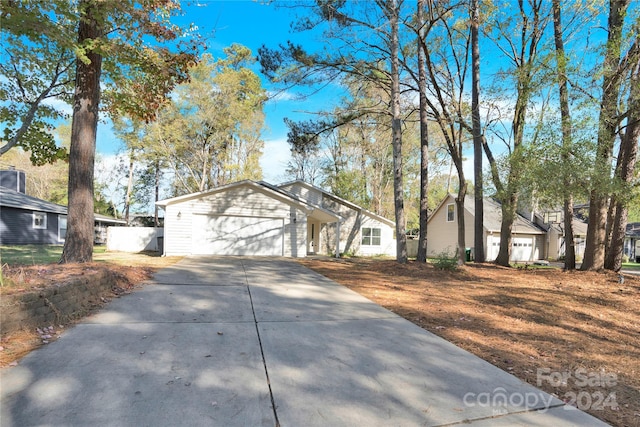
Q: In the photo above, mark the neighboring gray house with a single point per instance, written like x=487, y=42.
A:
x=27, y=220
x=259, y=219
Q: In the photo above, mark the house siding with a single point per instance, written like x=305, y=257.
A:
x=311, y=195
x=387, y=242
x=442, y=235
x=240, y=201
x=16, y=228
x=349, y=228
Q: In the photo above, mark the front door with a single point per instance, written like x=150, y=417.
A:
x=313, y=240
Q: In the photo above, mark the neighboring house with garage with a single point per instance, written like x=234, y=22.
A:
x=528, y=239
x=535, y=236
x=552, y=221
x=252, y=218
x=27, y=220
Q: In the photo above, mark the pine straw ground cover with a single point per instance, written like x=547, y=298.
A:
x=536, y=324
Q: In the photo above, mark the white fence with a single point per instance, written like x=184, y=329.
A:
x=135, y=239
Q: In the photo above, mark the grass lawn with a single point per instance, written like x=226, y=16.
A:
x=30, y=255
x=631, y=266
x=32, y=266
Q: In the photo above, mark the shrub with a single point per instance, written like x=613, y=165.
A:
x=445, y=261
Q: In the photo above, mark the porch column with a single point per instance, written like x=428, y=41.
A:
x=338, y=239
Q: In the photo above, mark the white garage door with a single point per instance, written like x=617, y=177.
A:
x=237, y=235
x=522, y=249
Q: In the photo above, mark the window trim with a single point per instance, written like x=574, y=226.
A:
x=370, y=235
x=451, y=212
x=60, y=218
x=34, y=216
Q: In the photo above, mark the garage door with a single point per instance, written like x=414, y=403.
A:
x=522, y=248
x=237, y=235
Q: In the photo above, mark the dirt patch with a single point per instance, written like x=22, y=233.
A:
x=573, y=334
x=24, y=279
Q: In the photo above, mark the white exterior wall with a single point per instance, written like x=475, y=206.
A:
x=295, y=235
x=133, y=239
x=387, y=242
x=442, y=236
x=240, y=201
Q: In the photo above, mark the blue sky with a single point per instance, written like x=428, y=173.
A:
x=251, y=24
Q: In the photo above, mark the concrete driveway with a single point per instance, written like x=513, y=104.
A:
x=262, y=342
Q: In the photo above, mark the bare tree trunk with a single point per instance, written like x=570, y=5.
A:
x=625, y=173
x=127, y=198
x=569, y=243
x=478, y=191
x=78, y=246
x=156, y=221
x=462, y=192
x=396, y=130
x=594, y=254
x=424, y=138
x=508, y=210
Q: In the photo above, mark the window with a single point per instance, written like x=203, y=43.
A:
x=62, y=227
x=40, y=220
x=451, y=212
x=371, y=236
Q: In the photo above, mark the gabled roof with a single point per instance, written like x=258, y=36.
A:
x=263, y=187
x=493, y=216
x=341, y=200
x=633, y=230
x=108, y=219
x=14, y=199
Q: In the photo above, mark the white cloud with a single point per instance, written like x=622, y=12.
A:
x=59, y=105
x=274, y=160
x=276, y=96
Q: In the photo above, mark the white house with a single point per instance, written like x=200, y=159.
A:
x=259, y=219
